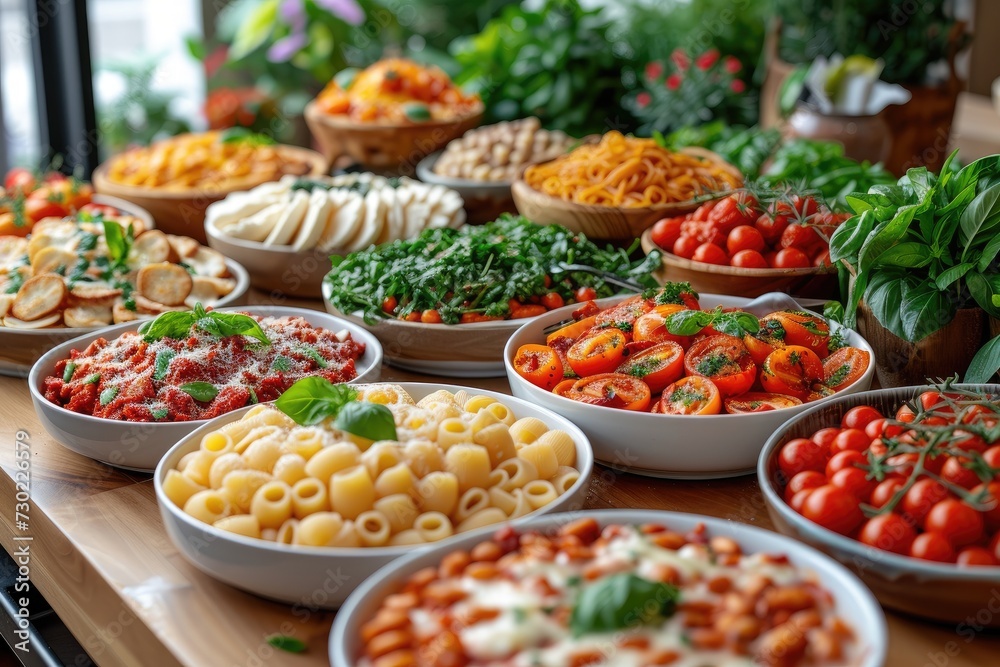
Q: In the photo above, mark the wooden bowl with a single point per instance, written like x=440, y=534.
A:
x=938, y=591
x=484, y=200
x=379, y=146
x=608, y=223
x=816, y=282
x=183, y=211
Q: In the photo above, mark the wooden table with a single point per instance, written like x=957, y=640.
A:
x=101, y=558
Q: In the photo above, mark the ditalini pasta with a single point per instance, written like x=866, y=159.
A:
x=623, y=595
x=460, y=462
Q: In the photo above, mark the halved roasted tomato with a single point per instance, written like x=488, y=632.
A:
x=724, y=360
x=658, y=366
x=693, y=395
x=612, y=390
x=770, y=337
x=560, y=346
x=805, y=329
x=845, y=367
x=600, y=351
x=563, y=388
x=572, y=331
x=759, y=401
x=792, y=370
x=624, y=315
x=539, y=365
x=652, y=326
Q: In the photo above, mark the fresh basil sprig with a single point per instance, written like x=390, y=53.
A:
x=119, y=242
x=204, y=392
x=162, y=363
x=286, y=643
x=68, y=371
x=690, y=322
x=622, y=601
x=314, y=399
x=173, y=324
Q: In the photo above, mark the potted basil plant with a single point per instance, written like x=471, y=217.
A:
x=922, y=261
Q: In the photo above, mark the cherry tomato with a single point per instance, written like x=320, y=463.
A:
x=430, y=316
x=802, y=328
x=624, y=315
x=876, y=428
x=585, y=294
x=845, y=460
x=771, y=227
x=833, y=508
x=657, y=366
x=710, y=253
x=850, y=438
x=791, y=258
x=539, y=365
x=745, y=237
x=807, y=479
x=855, y=481
x=666, y=232
x=822, y=259
x=692, y=395
x=37, y=208
x=748, y=259
x=724, y=360
x=759, y=401
x=572, y=332
x=920, y=498
x=934, y=547
x=845, y=367
x=770, y=337
x=552, y=300
x=825, y=437
x=100, y=209
x=955, y=520
x=886, y=490
x=733, y=211
x=976, y=556
x=389, y=304
x=992, y=456
x=612, y=390
x=20, y=179
x=652, y=326
x=955, y=471
x=599, y=351
x=414, y=316
x=860, y=417
x=990, y=516
x=799, y=455
x=802, y=237
x=888, y=532
x=685, y=246
x=792, y=370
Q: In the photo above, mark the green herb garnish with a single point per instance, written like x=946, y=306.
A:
x=108, y=395
x=159, y=413
x=204, y=392
x=286, y=643
x=622, y=601
x=179, y=325
x=92, y=379
x=68, y=371
x=162, y=364
x=313, y=354
x=281, y=363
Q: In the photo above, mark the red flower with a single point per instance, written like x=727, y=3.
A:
x=733, y=65
x=643, y=99
x=737, y=85
x=673, y=82
x=680, y=59
x=707, y=59
x=654, y=70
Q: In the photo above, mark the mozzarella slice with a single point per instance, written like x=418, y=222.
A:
x=315, y=223
x=257, y=226
x=394, y=223
x=291, y=219
x=374, y=220
x=345, y=223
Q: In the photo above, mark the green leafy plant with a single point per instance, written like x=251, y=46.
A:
x=140, y=114
x=920, y=249
x=691, y=322
x=313, y=399
x=621, y=601
x=553, y=62
x=180, y=324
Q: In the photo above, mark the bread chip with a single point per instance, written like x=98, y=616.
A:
x=165, y=283
x=184, y=246
x=53, y=260
x=120, y=313
x=150, y=307
x=290, y=220
x=207, y=290
x=152, y=247
x=6, y=301
x=16, y=323
x=93, y=294
x=12, y=249
x=87, y=316
x=39, y=297
x=315, y=223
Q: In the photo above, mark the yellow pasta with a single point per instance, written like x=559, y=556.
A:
x=408, y=537
x=333, y=459
x=352, y=491
x=179, y=487
x=477, y=403
x=217, y=442
x=519, y=472
x=453, y=431
x=461, y=397
x=320, y=529
x=438, y=492
x=439, y=396
x=262, y=454
x=397, y=479
x=540, y=493
x=186, y=460
x=472, y=501
x=373, y=528
x=241, y=524
x=541, y=455
x=286, y=534
x=527, y=429
x=208, y=506
x=565, y=478
x=305, y=441
x=381, y=456
x=256, y=433
x=521, y=504
x=483, y=517
x=269, y=534
x=433, y=526
x=290, y=468
x=562, y=444
x=222, y=466
x=497, y=440
x=423, y=457
x=309, y=496
x=272, y=504
x=502, y=499
x=499, y=479
x=501, y=412
x=240, y=486
x=481, y=420
x=470, y=464
x=399, y=510
x=198, y=467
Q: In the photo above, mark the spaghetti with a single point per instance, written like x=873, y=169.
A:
x=629, y=172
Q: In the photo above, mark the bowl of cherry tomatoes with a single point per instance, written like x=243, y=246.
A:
x=670, y=384
x=903, y=486
x=738, y=245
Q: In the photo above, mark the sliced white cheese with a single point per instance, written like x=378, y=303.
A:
x=290, y=220
x=315, y=223
x=373, y=222
x=345, y=223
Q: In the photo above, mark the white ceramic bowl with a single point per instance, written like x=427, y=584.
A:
x=322, y=576
x=484, y=200
x=672, y=446
x=140, y=445
x=937, y=591
x=20, y=348
x=453, y=350
x=854, y=602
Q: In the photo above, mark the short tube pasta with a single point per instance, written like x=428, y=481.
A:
x=472, y=501
x=433, y=526
x=208, y=506
x=241, y=524
x=180, y=487
x=272, y=504
x=309, y=496
x=527, y=429
x=397, y=479
x=453, y=431
x=470, y=464
x=399, y=510
x=333, y=459
x=483, y=517
x=540, y=493
x=519, y=472
x=541, y=455
x=562, y=445
x=352, y=491
x=373, y=528
x=222, y=466
x=497, y=441
x=438, y=492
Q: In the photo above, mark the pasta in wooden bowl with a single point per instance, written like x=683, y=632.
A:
x=275, y=499
x=618, y=186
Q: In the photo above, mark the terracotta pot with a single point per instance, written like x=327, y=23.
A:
x=863, y=137
x=899, y=363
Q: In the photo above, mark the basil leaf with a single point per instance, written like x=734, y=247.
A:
x=847, y=238
x=204, y=392
x=949, y=217
x=345, y=77
x=688, y=322
x=885, y=236
x=312, y=399
x=367, y=420
x=119, y=242
x=159, y=413
x=989, y=253
x=108, y=395
x=736, y=324
x=983, y=288
x=68, y=371
x=923, y=310
x=253, y=396
x=920, y=181
x=162, y=363
x=224, y=325
x=985, y=364
x=909, y=254
x=93, y=379
x=281, y=363
x=981, y=216
x=947, y=277
x=883, y=297
x=834, y=311
x=621, y=601
x=243, y=135
x=286, y=643
x=172, y=324
x=313, y=354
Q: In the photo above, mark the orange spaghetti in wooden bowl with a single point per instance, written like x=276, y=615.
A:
x=628, y=172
